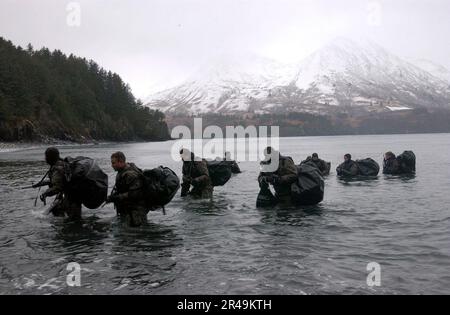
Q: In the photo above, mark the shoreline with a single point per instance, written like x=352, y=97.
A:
x=6, y=147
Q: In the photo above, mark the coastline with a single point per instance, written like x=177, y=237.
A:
x=6, y=147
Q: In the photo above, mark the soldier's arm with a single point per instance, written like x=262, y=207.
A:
x=351, y=172
x=202, y=168
x=57, y=183
x=135, y=186
x=396, y=167
x=393, y=167
x=291, y=173
x=387, y=169
x=354, y=170
x=186, y=175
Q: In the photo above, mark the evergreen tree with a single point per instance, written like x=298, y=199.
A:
x=68, y=98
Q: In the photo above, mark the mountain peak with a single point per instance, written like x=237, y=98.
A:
x=344, y=73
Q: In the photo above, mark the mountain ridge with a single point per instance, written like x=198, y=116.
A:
x=343, y=74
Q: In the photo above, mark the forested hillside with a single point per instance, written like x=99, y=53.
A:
x=47, y=95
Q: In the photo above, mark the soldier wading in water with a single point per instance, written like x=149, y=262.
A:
x=128, y=193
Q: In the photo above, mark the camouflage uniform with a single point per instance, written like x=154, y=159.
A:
x=391, y=166
x=129, y=191
x=196, y=173
x=282, y=179
x=349, y=168
x=67, y=204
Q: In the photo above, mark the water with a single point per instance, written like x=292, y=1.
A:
x=227, y=246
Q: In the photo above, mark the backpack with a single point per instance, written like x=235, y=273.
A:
x=219, y=172
x=235, y=169
x=310, y=186
x=160, y=186
x=310, y=162
x=86, y=181
x=368, y=167
x=407, y=162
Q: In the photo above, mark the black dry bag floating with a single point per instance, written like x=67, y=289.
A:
x=219, y=172
x=368, y=167
x=407, y=162
x=87, y=182
x=325, y=172
x=310, y=163
x=161, y=185
x=235, y=169
x=310, y=186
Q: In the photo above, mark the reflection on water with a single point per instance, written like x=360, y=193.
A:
x=228, y=246
x=363, y=180
x=292, y=216
x=218, y=205
x=402, y=177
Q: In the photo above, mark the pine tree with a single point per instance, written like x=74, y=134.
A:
x=67, y=97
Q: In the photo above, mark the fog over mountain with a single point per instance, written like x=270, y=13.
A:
x=344, y=73
x=158, y=44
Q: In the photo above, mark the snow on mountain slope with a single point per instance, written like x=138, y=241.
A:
x=225, y=85
x=435, y=69
x=348, y=73
x=344, y=74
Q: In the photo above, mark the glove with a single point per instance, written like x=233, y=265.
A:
x=275, y=180
x=269, y=179
x=263, y=181
x=112, y=199
x=43, y=198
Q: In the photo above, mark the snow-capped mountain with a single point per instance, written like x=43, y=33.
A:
x=343, y=74
x=227, y=84
x=435, y=69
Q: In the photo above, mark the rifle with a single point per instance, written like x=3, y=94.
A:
x=38, y=185
x=41, y=183
x=113, y=192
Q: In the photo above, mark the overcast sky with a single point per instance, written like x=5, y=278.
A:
x=158, y=43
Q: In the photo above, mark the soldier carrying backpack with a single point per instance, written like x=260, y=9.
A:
x=405, y=163
x=74, y=182
x=195, y=174
x=128, y=194
x=65, y=202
